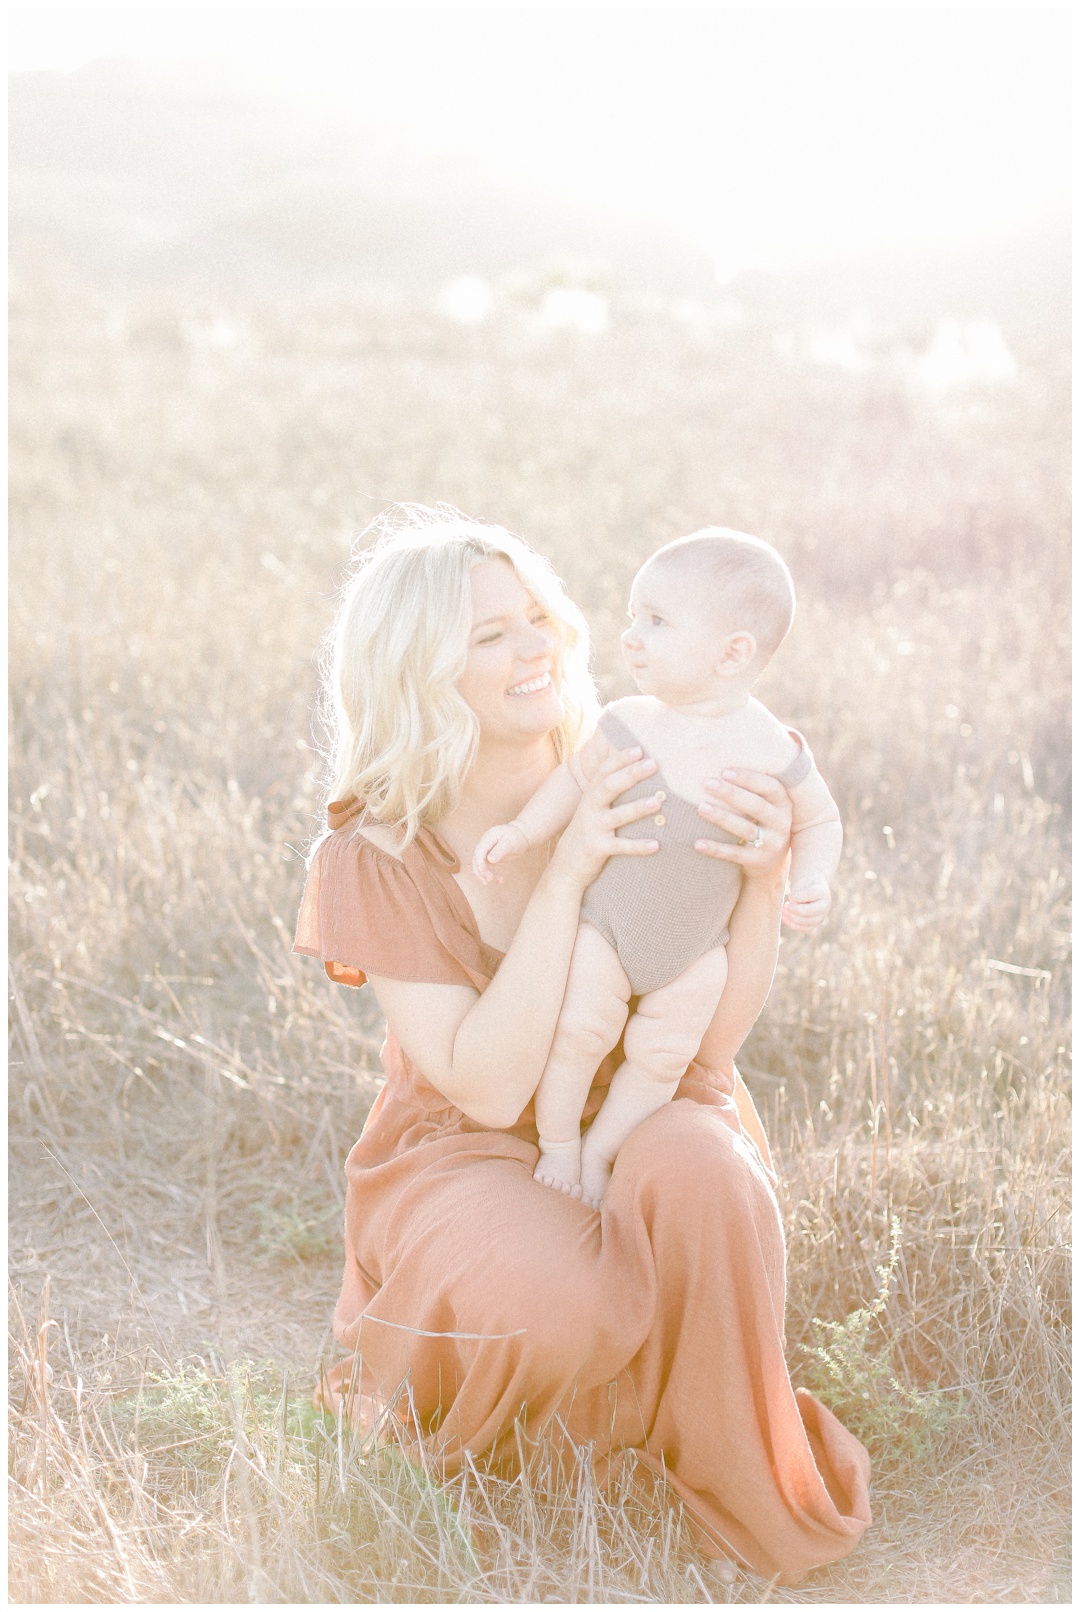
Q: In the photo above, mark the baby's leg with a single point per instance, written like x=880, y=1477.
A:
x=590, y=1023
x=661, y=1039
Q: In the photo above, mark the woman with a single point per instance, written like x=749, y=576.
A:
x=472, y=1293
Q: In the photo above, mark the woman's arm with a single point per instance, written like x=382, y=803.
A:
x=752, y=951
x=754, y=807
x=487, y=1053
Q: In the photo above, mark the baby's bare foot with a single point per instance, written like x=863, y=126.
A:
x=595, y=1175
x=559, y=1166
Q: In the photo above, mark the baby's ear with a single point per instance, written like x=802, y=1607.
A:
x=737, y=652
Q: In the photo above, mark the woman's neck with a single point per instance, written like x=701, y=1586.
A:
x=500, y=781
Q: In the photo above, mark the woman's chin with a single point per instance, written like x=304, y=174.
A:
x=536, y=714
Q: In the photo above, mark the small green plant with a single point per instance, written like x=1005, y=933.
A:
x=296, y=1228
x=193, y=1412
x=897, y=1423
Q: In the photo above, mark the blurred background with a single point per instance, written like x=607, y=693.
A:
x=809, y=165
x=603, y=275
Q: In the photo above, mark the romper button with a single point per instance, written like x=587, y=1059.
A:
x=661, y=794
x=660, y=820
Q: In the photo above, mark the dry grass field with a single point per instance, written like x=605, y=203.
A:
x=186, y=483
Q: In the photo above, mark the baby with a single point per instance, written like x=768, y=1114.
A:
x=707, y=612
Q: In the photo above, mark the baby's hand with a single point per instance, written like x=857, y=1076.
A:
x=499, y=844
x=808, y=904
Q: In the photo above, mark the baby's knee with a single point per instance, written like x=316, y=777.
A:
x=662, y=1046
x=589, y=1028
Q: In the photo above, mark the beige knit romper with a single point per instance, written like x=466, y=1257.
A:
x=661, y=912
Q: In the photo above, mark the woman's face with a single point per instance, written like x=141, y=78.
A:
x=512, y=668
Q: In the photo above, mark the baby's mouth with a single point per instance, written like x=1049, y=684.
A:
x=534, y=685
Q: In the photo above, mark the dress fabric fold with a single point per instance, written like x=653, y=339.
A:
x=478, y=1298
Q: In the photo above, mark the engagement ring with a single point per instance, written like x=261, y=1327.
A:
x=759, y=838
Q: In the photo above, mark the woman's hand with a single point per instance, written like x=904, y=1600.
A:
x=486, y=1053
x=590, y=836
x=756, y=808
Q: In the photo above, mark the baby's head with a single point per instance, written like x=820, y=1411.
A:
x=716, y=604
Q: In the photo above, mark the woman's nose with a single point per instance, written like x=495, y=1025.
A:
x=535, y=643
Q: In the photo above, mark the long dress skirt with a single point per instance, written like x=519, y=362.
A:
x=475, y=1299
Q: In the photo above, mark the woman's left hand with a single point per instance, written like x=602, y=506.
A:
x=756, y=808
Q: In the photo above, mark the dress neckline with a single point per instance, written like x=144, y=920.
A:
x=340, y=812
x=435, y=851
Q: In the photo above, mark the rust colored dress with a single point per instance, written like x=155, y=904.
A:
x=654, y=1325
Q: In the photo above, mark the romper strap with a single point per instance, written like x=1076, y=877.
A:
x=798, y=770
x=615, y=729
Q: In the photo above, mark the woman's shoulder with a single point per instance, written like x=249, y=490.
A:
x=352, y=833
x=349, y=819
x=359, y=859
x=382, y=838
x=372, y=906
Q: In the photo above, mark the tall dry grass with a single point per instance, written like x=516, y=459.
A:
x=186, y=482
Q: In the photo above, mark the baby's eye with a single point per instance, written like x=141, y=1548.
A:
x=657, y=621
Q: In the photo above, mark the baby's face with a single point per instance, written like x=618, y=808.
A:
x=672, y=644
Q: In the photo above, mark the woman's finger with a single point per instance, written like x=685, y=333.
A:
x=632, y=811
x=743, y=828
x=625, y=775
x=620, y=846
x=720, y=851
x=766, y=856
x=620, y=758
x=772, y=810
x=750, y=783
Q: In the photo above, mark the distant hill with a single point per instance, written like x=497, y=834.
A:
x=132, y=177
x=138, y=177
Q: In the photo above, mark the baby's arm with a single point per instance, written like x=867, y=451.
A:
x=544, y=815
x=817, y=838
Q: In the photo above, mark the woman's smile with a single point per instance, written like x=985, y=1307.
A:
x=535, y=685
x=511, y=678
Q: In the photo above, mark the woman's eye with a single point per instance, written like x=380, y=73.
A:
x=492, y=638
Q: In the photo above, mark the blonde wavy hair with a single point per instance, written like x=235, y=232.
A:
x=403, y=738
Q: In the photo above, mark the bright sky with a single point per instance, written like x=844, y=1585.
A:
x=768, y=135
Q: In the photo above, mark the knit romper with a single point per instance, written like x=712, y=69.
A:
x=661, y=912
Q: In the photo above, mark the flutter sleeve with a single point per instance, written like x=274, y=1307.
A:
x=364, y=912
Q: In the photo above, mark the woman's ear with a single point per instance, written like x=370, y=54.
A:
x=737, y=653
